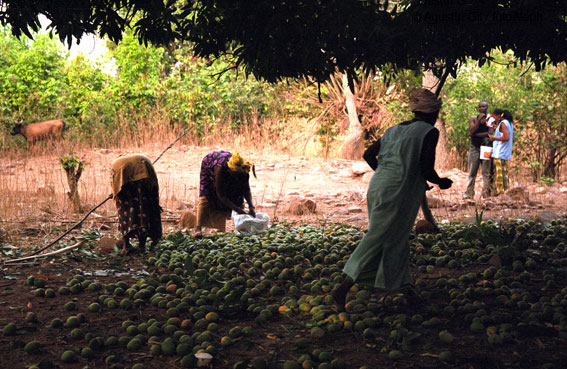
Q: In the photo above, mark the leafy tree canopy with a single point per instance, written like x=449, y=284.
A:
x=275, y=39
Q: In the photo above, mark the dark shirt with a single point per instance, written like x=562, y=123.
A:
x=477, y=141
x=234, y=188
x=426, y=158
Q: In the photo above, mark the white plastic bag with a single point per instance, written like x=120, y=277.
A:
x=247, y=224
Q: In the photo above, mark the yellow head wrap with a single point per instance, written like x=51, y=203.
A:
x=238, y=164
x=424, y=101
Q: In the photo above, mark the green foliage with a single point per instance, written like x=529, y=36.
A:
x=478, y=217
x=86, y=84
x=274, y=40
x=486, y=233
x=38, y=82
x=314, y=38
x=473, y=84
x=327, y=132
x=71, y=161
x=152, y=21
x=544, y=123
x=202, y=94
x=139, y=74
x=537, y=101
x=546, y=181
x=379, y=105
x=31, y=78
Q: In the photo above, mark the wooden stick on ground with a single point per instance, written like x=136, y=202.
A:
x=60, y=251
x=73, y=227
x=104, y=201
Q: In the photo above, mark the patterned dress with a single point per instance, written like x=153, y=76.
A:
x=501, y=155
x=136, y=194
x=139, y=211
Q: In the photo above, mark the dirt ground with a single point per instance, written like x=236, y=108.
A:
x=34, y=211
x=34, y=207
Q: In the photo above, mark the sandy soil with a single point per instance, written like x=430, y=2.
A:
x=34, y=204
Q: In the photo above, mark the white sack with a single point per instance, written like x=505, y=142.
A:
x=247, y=224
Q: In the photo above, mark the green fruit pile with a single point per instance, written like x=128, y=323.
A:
x=488, y=284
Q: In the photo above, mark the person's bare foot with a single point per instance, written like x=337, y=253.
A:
x=126, y=251
x=411, y=296
x=339, y=294
x=340, y=299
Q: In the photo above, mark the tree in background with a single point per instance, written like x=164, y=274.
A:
x=210, y=94
x=377, y=106
x=31, y=78
x=542, y=113
x=140, y=71
x=86, y=103
x=151, y=85
x=313, y=38
x=537, y=101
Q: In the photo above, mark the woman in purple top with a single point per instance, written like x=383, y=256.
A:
x=223, y=188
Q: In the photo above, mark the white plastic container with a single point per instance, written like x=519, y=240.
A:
x=485, y=152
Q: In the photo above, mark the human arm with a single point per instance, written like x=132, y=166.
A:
x=505, y=133
x=371, y=154
x=427, y=160
x=474, y=122
x=222, y=190
x=248, y=198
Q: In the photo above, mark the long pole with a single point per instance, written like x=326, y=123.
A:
x=103, y=202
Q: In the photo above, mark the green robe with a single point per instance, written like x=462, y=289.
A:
x=394, y=197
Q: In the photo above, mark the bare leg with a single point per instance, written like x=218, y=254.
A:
x=142, y=237
x=428, y=215
x=126, y=247
x=339, y=294
x=198, y=232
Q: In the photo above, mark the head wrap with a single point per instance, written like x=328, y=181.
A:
x=490, y=120
x=238, y=164
x=424, y=101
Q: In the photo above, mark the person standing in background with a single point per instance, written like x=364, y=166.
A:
x=478, y=132
x=502, y=142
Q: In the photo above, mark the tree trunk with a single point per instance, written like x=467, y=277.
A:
x=430, y=82
x=550, y=164
x=353, y=147
x=442, y=154
x=73, y=175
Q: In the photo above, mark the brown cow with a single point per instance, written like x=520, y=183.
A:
x=40, y=131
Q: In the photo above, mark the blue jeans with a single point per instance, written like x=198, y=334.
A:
x=486, y=167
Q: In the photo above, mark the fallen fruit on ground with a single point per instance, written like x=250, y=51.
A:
x=228, y=295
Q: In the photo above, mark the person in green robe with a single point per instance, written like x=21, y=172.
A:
x=403, y=160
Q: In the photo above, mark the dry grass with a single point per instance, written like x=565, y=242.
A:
x=33, y=183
